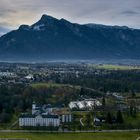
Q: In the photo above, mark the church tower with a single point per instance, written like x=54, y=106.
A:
x=33, y=108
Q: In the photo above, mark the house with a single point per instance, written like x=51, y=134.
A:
x=29, y=77
x=117, y=96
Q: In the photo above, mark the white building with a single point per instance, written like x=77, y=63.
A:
x=8, y=74
x=29, y=77
x=45, y=115
x=85, y=104
x=27, y=120
x=66, y=118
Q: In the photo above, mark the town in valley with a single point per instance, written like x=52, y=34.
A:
x=69, y=96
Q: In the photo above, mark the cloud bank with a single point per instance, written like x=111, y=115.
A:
x=110, y=12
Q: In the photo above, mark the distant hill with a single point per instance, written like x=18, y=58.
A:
x=53, y=39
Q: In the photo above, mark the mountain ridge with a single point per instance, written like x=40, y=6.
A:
x=52, y=38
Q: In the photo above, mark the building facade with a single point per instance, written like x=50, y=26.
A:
x=27, y=120
x=45, y=115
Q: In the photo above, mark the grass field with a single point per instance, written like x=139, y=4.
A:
x=72, y=136
x=115, y=67
x=39, y=85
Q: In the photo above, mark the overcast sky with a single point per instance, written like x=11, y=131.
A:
x=110, y=12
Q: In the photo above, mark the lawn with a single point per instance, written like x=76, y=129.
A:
x=74, y=136
x=115, y=67
x=53, y=85
x=38, y=85
x=134, y=121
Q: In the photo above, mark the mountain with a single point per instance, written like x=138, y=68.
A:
x=52, y=38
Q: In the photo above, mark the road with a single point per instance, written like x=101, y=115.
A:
x=81, y=121
x=88, y=131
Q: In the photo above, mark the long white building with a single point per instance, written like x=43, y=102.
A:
x=45, y=116
x=85, y=104
x=27, y=120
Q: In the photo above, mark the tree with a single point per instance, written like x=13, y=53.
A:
x=119, y=117
x=109, y=118
x=82, y=91
x=5, y=117
x=133, y=94
x=103, y=102
x=131, y=110
x=134, y=112
x=88, y=120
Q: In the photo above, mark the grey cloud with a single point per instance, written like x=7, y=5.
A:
x=6, y=12
x=130, y=12
x=112, y=12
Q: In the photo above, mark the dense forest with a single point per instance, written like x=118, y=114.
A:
x=114, y=81
x=15, y=99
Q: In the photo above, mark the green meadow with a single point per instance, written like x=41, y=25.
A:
x=115, y=67
x=74, y=136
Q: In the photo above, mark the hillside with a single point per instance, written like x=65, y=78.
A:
x=53, y=39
